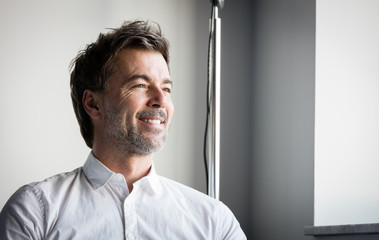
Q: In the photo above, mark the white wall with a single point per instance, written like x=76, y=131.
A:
x=347, y=112
x=39, y=133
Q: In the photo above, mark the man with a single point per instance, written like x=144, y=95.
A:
x=120, y=88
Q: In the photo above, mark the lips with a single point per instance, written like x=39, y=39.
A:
x=149, y=120
x=156, y=116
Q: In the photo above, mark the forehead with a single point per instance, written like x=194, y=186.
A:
x=135, y=64
x=130, y=61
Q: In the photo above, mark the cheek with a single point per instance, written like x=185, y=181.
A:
x=127, y=96
x=132, y=100
x=131, y=106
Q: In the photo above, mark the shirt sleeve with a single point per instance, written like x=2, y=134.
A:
x=228, y=226
x=22, y=216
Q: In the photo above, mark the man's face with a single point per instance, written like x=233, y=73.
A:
x=137, y=103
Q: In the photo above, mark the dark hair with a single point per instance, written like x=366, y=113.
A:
x=93, y=66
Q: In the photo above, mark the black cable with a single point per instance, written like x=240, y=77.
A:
x=210, y=64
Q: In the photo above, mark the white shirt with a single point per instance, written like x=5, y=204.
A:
x=92, y=202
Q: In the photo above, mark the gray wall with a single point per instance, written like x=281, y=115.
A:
x=282, y=119
x=268, y=80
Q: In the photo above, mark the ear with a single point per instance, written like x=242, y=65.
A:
x=91, y=103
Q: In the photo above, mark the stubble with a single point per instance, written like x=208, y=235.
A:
x=129, y=140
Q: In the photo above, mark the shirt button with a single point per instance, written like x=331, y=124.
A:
x=130, y=236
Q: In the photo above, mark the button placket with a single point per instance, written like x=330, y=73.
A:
x=119, y=186
x=130, y=218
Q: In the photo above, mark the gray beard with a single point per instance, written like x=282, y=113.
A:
x=128, y=140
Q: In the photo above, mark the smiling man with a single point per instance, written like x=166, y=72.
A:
x=131, y=120
x=121, y=93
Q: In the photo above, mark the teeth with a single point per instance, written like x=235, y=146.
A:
x=155, y=121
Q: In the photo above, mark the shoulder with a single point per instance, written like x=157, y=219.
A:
x=24, y=214
x=203, y=208
x=50, y=191
x=36, y=188
x=172, y=187
x=58, y=179
x=31, y=197
x=186, y=198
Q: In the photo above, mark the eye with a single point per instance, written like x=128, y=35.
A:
x=141, y=85
x=168, y=90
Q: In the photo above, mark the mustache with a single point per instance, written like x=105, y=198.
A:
x=153, y=112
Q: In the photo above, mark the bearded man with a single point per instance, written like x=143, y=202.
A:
x=121, y=94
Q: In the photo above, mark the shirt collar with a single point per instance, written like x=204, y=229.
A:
x=98, y=174
x=153, y=180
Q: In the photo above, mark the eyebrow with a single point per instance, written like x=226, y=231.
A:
x=144, y=77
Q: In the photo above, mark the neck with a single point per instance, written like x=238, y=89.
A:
x=132, y=167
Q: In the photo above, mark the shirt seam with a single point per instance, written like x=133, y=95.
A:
x=37, y=192
x=219, y=234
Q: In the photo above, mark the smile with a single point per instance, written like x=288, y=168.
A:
x=156, y=116
x=154, y=121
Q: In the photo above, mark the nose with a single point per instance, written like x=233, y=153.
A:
x=157, y=98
